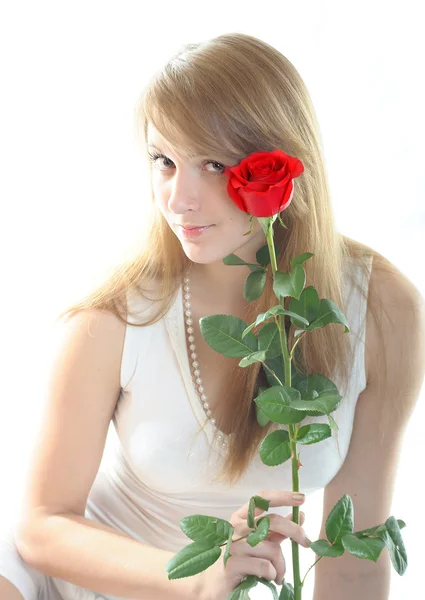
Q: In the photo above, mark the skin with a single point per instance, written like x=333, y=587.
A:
x=194, y=192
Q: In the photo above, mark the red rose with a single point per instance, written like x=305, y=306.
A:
x=262, y=183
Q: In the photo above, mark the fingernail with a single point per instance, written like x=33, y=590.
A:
x=298, y=497
x=308, y=541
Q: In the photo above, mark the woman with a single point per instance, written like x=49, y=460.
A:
x=132, y=352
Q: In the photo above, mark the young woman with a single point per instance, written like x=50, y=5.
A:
x=132, y=352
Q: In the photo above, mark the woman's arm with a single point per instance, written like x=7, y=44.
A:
x=95, y=556
x=383, y=411
x=52, y=534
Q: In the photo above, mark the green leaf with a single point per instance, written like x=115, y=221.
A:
x=223, y=333
x=328, y=313
x=371, y=531
x=269, y=340
x=311, y=434
x=275, y=449
x=262, y=419
x=232, y=260
x=241, y=592
x=277, y=404
x=317, y=382
x=340, y=520
x=301, y=258
x=251, y=513
x=332, y=423
x=263, y=255
x=254, y=502
x=317, y=387
x=307, y=306
x=260, y=533
x=192, y=559
x=227, y=553
x=272, y=312
x=271, y=587
x=276, y=365
x=261, y=502
x=377, y=529
x=298, y=277
x=324, y=404
x=210, y=530
x=254, y=285
x=287, y=591
x=258, y=356
x=289, y=284
x=369, y=548
x=394, y=542
x=323, y=548
x=282, y=285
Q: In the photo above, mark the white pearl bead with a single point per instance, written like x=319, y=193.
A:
x=189, y=321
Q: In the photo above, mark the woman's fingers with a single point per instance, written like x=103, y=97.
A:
x=289, y=529
x=278, y=537
x=276, y=497
x=269, y=559
x=278, y=524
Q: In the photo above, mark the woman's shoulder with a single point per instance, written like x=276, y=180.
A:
x=391, y=285
x=395, y=311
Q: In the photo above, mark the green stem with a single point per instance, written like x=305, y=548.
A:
x=287, y=367
x=315, y=563
x=296, y=342
x=272, y=372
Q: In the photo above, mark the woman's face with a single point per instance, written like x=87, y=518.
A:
x=192, y=192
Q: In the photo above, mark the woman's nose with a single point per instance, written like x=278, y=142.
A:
x=185, y=194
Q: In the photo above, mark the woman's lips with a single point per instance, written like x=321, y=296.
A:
x=195, y=231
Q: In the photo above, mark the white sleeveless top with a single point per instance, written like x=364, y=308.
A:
x=160, y=473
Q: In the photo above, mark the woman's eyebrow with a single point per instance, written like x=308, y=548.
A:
x=153, y=146
x=191, y=156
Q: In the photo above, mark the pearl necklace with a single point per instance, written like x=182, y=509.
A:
x=221, y=437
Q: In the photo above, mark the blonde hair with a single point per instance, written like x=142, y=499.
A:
x=239, y=93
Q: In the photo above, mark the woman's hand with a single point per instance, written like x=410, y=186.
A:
x=263, y=560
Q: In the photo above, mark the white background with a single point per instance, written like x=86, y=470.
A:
x=74, y=190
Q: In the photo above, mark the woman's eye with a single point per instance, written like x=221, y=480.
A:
x=154, y=157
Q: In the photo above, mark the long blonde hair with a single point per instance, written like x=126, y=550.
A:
x=239, y=93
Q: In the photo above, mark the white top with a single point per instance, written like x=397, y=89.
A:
x=159, y=473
